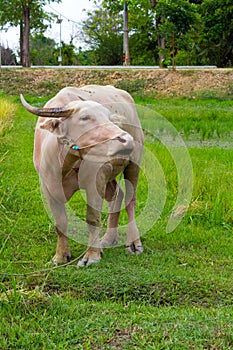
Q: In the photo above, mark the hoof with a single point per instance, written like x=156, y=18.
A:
x=87, y=262
x=91, y=257
x=134, y=249
x=61, y=259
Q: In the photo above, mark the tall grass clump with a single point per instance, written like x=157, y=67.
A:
x=7, y=110
x=195, y=119
x=212, y=195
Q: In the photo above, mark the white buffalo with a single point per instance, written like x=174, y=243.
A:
x=84, y=138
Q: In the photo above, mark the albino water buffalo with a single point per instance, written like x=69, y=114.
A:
x=84, y=138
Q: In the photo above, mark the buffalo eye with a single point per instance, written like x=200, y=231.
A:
x=85, y=117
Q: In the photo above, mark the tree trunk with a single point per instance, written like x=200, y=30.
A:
x=161, y=45
x=21, y=41
x=161, y=41
x=26, y=33
x=173, y=51
x=126, y=37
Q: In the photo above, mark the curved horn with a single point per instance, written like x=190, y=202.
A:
x=57, y=112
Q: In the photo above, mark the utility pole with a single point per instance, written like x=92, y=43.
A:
x=126, y=56
x=59, y=20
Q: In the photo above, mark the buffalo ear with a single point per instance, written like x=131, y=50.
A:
x=50, y=125
x=117, y=119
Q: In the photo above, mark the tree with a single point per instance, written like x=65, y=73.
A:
x=140, y=29
x=169, y=19
x=85, y=57
x=103, y=33
x=126, y=35
x=29, y=15
x=7, y=56
x=189, y=31
x=69, y=56
x=176, y=18
x=42, y=50
x=217, y=32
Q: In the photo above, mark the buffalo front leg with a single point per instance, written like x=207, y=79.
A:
x=114, y=196
x=133, y=242
x=94, y=251
x=93, y=218
x=59, y=213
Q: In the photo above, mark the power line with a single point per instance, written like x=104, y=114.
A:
x=61, y=15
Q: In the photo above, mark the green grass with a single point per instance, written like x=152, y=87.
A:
x=176, y=295
x=199, y=119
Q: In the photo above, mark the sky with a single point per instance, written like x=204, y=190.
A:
x=71, y=13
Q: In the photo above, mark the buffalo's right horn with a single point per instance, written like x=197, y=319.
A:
x=57, y=112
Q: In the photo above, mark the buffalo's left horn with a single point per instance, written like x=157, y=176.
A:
x=57, y=112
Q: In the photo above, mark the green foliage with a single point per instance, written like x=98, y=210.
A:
x=143, y=46
x=42, y=50
x=187, y=54
x=102, y=33
x=217, y=31
x=12, y=12
x=29, y=15
x=175, y=20
x=143, y=38
x=85, y=57
x=148, y=20
x=69, y=56
x=177, y=15
x=109, y=50
x=201, y=29
x=188, y=32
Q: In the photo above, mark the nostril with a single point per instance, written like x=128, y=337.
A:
x=118, y=138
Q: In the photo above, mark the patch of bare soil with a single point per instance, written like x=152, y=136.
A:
x=120, y=338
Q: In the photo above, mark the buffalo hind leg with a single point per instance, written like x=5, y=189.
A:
x=133, y=242
x=114, y=196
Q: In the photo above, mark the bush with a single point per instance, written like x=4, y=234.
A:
x=185, y=58
x=7, y=110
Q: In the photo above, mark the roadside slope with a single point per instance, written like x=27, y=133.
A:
x=146, y=82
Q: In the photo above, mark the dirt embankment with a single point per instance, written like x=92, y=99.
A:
x=146, y=82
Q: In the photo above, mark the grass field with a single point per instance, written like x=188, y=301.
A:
x=177, y=295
